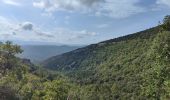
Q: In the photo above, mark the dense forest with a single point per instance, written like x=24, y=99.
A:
x=133, y=67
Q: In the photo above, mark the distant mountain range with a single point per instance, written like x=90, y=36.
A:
x=37, y=53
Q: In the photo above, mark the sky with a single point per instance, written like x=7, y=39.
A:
x=77, y=22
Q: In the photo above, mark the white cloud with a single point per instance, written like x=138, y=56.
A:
x=10, y=30
x=11, y=2
x=5, y=28
x=163, y=2
x=111, y=8
x=67, y=35
x=5, y=25
x=69, y=5
x=28, y=31
x=42, y=4
x=120, y=8
x=160, y=5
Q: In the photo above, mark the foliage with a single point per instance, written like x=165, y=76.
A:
x=7, y=56
x=135, y=66
x=166, y=23
x=20, y=81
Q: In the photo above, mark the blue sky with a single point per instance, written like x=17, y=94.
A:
x=76, y=21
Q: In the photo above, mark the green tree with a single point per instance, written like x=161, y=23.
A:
x=166, y=23
x=156, y=79
x=166, y=19
x=7, y=56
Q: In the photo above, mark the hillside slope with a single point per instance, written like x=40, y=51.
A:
x=121, y=68
x=112, y=50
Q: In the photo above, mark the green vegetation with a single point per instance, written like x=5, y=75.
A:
x=129, y=67
x=21, y=80
x=133, y=67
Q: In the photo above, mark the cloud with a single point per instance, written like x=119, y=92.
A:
x=81, y=34
x=28, y=26
x=69, y=5
x=163, y=2
x=42, y=4
x=29, y=31
x=11, y=2
x=109, y=8
x=45, y=35
x=6, y=27
x=22, y=31
x=6, y=36
x=160, y=5
x=120, y=8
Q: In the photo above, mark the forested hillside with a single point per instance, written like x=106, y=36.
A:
x=130, y=67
